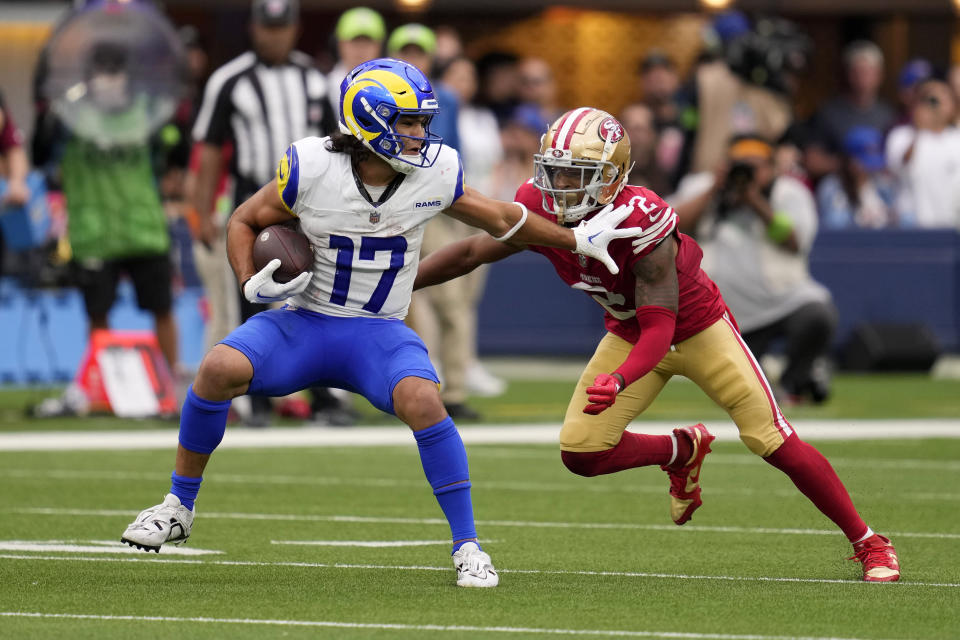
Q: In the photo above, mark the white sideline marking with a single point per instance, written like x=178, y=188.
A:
x=284, y=437
x=575, y=486
x=94, y=546
x=286, y=517
x=365, y=543
x=544, y=572
x=418, y=627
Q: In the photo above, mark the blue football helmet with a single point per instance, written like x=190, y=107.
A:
x=374, y=95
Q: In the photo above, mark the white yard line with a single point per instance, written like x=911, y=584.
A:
x=541, y=572
x=416, y=627
x=285, y=437
x=525, y=524
x=95, y=546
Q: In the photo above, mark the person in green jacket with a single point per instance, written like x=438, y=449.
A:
x=116, y=223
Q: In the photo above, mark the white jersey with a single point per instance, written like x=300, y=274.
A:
x=365, y=254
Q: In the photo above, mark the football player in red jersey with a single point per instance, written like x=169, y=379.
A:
x=664, y=317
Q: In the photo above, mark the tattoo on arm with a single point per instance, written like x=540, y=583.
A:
x=656, y=274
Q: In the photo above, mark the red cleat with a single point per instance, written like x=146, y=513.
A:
x=685, y=481
x=879, y=559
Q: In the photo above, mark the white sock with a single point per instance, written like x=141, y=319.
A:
x=865, y=536
x=673, y=457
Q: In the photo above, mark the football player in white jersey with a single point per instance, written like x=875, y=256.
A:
x=362, y=197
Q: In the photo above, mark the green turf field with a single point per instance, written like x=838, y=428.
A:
x=348, y=542
x=576, y=555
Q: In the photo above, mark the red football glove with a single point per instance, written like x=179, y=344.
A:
x=602, y=394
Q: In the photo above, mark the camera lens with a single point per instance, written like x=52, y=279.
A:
x=741, y=174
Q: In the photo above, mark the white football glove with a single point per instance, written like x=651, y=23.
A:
x=595, y=234
x=262, y=288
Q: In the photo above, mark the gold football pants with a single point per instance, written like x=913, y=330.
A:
x=716, y=359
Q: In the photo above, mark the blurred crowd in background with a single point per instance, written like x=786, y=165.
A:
x=856, y=160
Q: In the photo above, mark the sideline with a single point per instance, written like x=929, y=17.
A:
x=312, y=436
x=315, y=436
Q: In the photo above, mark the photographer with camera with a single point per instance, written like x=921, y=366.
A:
x=924, y=156
x=756, y=230
x=748, y=87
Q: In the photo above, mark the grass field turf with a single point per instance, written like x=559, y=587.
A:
x=578, y=557
x=757, y=561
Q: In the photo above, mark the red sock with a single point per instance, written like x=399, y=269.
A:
x=633, y=450
x=817, y=480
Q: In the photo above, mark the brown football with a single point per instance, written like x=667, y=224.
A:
x=288, y=244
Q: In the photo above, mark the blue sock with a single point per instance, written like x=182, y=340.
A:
x=185, y=488
x=202, y=423
x=457, y=545
x=445, y=464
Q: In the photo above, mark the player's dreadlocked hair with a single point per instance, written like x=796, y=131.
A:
x=345, y=143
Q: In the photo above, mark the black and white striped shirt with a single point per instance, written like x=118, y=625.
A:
x=262, y=108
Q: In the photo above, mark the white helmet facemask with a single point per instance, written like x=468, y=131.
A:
x=571, y=188
x=583, y=163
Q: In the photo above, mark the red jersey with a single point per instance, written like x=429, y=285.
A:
x=10, y=135
x=700, y=303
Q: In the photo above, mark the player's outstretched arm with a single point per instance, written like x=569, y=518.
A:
x=460, y=258
x=657, y=298
x=502, y=220
x=510, y=220
x=259, y=211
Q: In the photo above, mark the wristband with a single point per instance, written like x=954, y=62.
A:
x=620, y=380
x=523, y=218
x=780, y=227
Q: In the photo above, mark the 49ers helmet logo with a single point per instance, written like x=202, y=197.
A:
x=611, y=130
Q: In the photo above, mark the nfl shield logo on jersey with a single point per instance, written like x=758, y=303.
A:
x=374, y=217
x=582, y=259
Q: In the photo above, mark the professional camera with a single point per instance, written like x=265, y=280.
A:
x=739, y=176
x=768, y=54
x=734, y=186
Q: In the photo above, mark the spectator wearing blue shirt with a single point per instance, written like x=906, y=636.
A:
x=861, y=193
x=416, y=44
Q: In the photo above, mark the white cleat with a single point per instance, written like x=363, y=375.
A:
x=474, y=567
x=168, y=521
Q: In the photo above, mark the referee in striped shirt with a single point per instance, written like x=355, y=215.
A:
x=261, y=101
x=258, y=103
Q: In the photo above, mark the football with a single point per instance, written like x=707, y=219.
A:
x=286, y=243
